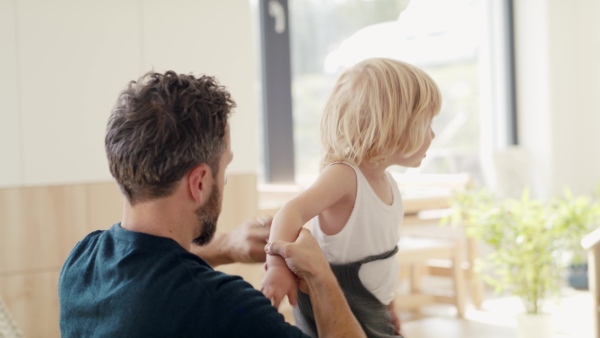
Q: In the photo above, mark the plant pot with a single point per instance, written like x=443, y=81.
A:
x=534, y=325
x=578, y=276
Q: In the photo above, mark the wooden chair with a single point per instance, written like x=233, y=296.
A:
x=591, y=243
x=8, y=326
x=413, y=252
x=425, y=250
x=271, y=197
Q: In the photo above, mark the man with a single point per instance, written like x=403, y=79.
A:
x=168, y=146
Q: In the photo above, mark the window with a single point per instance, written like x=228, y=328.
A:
x=465, y=45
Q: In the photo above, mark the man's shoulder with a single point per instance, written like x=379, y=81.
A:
x=81, y=246
x=91, y=237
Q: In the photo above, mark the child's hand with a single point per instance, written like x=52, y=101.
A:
x=278, y=282
x=395, y=318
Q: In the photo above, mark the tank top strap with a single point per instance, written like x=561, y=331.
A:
x=353, y=166
x=381, y=256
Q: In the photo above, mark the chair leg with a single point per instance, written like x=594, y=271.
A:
x=416, y=273
x=476, y=284
x=594, y=283
x=459, y=284
x=8, y=326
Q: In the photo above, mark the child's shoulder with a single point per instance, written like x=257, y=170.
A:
x=340, y=168
x=339, y=173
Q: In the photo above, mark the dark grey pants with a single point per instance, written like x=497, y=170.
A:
x=372, y=315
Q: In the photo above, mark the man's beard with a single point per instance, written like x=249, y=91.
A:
x=207, y=216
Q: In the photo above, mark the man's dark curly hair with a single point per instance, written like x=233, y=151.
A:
x=162, y=126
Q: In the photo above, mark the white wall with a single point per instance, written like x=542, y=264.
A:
x=10, y=147
x=558, y=92
x=64, y=62
x=215, y=38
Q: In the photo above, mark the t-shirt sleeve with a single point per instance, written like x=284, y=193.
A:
x=245, y=312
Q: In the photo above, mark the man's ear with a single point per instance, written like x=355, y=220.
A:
x=200, y=182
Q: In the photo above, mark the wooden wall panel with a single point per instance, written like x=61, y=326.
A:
x=40, y=225
x=32, y=298
x=104, y=205
x=240, y=201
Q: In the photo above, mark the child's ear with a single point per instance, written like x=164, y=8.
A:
x=199, y=183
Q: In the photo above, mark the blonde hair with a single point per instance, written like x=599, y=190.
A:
x=377, y=107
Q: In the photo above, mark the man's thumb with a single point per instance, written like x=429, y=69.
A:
x=276, y=248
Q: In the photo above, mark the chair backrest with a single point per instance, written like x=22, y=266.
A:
x=426, y=199
x=591, y=243
x=8, y=327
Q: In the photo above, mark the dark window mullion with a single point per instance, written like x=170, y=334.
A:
x=276, y=91
x=512, y=124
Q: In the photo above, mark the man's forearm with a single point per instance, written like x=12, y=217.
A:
x=243, y=244
x=332, y=312
x=214, y=253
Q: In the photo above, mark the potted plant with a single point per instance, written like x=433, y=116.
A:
x=577, y=217
x=529, y=239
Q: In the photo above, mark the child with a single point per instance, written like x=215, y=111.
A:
x=378, y=115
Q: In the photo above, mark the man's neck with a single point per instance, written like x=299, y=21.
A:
x=159, y=217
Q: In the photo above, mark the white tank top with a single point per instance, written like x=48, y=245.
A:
x=372, y=229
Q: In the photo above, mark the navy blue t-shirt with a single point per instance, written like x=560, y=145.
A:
x=119, y=283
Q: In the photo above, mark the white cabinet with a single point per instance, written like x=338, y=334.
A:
x=10, y=145
x=75, y=56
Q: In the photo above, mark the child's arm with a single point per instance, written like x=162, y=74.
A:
x=334, y=184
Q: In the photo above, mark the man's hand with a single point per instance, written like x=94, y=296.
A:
x=304, y=257
x=244, y=244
